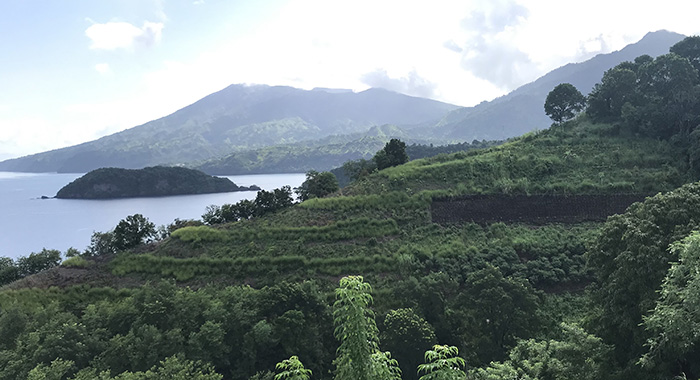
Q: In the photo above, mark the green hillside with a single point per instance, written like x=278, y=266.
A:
x=576, y=157
x=532, y=299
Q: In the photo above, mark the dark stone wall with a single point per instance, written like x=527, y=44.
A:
x=530, y=209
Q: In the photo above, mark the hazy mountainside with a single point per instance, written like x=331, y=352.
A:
x=330, y=152
x=236, y=118
x=521, y=111
x=320, y=155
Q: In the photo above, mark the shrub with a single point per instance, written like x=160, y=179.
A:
x=198, y=234
x=76, y=262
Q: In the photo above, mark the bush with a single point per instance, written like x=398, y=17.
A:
x=198, y=234
x=76, y=262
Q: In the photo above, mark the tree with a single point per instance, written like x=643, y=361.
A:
x=442, y=363
x=37, y=262
x=669, y=91
x=172, y=368
x=132, y=231
x=501, y=310
x=393, y=154
x=359, y=357
x=317, y=185
x=689, y=48
x=101, y=243
x=630, y=259
x=13, y=270
x=9, y=272
x=564, y=102
x=265, y=202
x=617, y=88
x=272, y=201
x=56, y=371
x=576, y=355
x=407, y=336
x=360, y=168
x=674, y=322
x=292, y=369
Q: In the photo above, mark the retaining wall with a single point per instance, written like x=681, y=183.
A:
x=531, y=209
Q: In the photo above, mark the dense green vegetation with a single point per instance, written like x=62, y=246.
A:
x=276, y=293
x=148, y=182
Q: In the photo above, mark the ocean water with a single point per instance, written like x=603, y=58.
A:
x=29, y=223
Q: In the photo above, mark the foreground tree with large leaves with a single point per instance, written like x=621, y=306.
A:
x=442, y=363
x=292, y=369
x=359, y=357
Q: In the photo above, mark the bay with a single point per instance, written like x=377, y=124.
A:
x=29, y=223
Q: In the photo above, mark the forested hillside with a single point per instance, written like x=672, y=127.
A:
x=269, y=289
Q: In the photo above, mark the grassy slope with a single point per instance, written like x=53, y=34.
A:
x=577, y=157
x=382, y=227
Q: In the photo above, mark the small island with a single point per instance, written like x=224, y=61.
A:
x=157, y=181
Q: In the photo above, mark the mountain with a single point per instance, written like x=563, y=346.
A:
x=522, y=110
x=239, y=117
x=227, y=125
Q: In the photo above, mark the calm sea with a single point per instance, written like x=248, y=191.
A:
x=29, y=223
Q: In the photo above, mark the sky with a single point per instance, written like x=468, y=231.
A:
x=72, y=71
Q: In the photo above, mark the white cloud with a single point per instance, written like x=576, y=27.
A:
x=123, y=35
x=103, y=68
x=412, y=84
x=30, y=134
